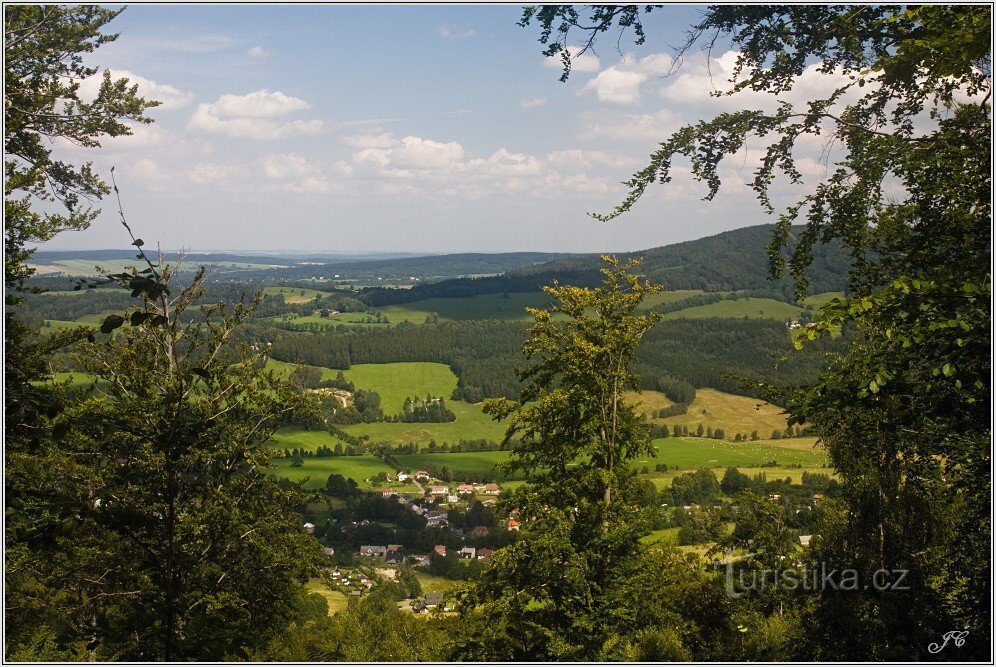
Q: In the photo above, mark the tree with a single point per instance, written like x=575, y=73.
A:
x=156, y=510
x=44, y=47
x=904, y=414
x=572, y=432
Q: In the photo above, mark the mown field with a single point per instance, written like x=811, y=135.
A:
x=394, y=382
x=317, y=470
x=734, y=414
x=748, y=307
x=471, y=423
x=473, y=463
x=294, y=294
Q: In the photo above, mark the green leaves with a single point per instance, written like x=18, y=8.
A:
x=110, y=323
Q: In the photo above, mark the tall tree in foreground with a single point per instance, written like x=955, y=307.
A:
x=152, y=530
x=573, y=433
x=905, y=415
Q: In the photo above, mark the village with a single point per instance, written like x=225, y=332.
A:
x=456, y=557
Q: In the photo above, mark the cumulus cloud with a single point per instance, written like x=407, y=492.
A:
x=641, y=128
x=580, y=62
x=369, y=140
x=533, y=102
x=255, y=116
x=170, y=96
x=258, y=52
x=620, y=83
x=455, y=32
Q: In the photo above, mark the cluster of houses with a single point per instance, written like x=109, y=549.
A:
x=393, y=554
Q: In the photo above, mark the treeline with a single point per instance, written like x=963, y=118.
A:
x=675, y=357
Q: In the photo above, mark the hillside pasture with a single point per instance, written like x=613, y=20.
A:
x=293, y=294
x=317, y=470
x=471, y=423
x=396, y=381
x=693, y=453
x=751, y=307
x=734, y=414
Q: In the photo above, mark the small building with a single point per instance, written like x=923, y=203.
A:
x=817, y=497
x=433, y=600
x=403, y=476
x=440, y=549
x=309, y=528
x=484, y=554
x=419, y=559
x=387, y=492
x=805, y=539
x=452, y=498
x=438, y=490
x=422, y=474
x=328, y=551
x=468, y=553
x=512, y=525
x=492, y=489
x=465, y=488
x=436, y=518
x=373, y=551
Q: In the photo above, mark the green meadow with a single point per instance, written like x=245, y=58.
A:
x=317, y=470
x=691, y=453
x=748, y=307
x=471, y=423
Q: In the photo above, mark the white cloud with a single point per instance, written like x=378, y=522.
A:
x=254, y=116
x=279, y=167
x=455, y=32
x=641, y=128
x=620, y=83
x=206, y=173
x=258, y=104
x=418, y=153
x=580, y=62
x=170, y=96
x=258, y=52
x=370, y=140
x=533, y=102
x=575, y=159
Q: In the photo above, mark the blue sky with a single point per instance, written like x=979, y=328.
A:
x=401, y=128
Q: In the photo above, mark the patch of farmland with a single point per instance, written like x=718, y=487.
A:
x=750, y=307
x=734, y=414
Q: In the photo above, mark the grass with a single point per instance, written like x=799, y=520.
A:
x=663, y=536
x=54, y=326
x=317, y=470
x=734, y=414
x=664, y=298
x=471, y=463
x=294, y=294
x=754, y=308
x=819, y=300
x=433, y=584
x=692, y=453
x=336, y=600
x=471, y=423
x=394, y=382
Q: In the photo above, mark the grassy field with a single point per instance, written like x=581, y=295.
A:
x=471, y=423
x=734, y=414
x=668, y=297
x=394, y=382
x=691, y=453
x=476, y=463
x=317, y=470
x=819, y=300
x=294, y=294
x=433, y=584
x=663, y=536
x=748, y=307
x=336, y=600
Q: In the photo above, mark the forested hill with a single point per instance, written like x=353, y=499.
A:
x=734, y=260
